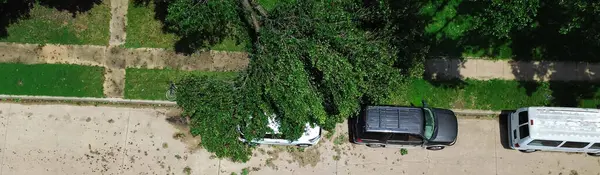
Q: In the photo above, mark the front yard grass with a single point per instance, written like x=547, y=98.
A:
x=497, y=94
x=145, y=30
x=152, y=84
x=51, y=80
x=49, y=25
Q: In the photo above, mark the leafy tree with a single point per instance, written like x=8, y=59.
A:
x=209, y=103
x=202, y=23
x=500, y=18
x=400, y=25
x=582, y=17
x=313, y=64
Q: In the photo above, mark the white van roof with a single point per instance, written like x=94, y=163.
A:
x=568, y=124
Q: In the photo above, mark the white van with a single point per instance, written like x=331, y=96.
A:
x=555, y=129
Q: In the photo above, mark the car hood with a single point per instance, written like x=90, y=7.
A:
x=447, y=126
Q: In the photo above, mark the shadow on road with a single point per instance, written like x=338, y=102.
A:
x=503, y=127
x=351, y=122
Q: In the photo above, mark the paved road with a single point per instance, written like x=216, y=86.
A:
x=61, y=139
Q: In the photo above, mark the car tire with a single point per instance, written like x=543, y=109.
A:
x=375, y=145
x=528, y=150
x=594, y=154
x=435, y=148
x=303, y=145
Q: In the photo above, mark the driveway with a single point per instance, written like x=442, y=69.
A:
x=62, y=139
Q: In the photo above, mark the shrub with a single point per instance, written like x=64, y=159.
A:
x=403, y=151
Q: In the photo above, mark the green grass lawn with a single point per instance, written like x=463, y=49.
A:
x=497, y=94
x=51, y=80
x=152, y=84
x=144, y=30
x=48, y=25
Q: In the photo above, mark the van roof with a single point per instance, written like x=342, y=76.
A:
x=568, y=124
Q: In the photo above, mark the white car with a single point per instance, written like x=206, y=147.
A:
x=311, y=136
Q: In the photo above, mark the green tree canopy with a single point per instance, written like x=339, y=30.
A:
x=313, y=64
x=202, y=23
x=210, y=105
x=500, y=18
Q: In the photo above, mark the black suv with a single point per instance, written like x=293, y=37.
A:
x=384, y=126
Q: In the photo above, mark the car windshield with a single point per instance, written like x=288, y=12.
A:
x=429, y=123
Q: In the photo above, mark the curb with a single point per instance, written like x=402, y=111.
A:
x=474, y=112
x=464, y=112
x=90, y=99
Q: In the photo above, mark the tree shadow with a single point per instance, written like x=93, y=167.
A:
x=401, y=26
x=444, y=72
x=503, y=127
x=571, y=94
x=468, y=40
x=570, y=84
x=455, y=83
x=11, y=12
x=14, y=10
x=72, y=6
x=542, y=43
x=160, y=8
x=351, y=130
x=193, y=42
x=545, y=42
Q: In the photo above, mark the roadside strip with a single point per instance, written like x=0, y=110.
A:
x=463, y=112
x=89, y=100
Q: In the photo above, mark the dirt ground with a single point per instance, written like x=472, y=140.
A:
x=118, y=22
x=62, y=139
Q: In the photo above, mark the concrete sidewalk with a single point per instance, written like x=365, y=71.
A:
x=61, y=139
x=481, y=69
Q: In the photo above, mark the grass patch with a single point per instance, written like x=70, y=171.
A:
x=145, y=30
x=497, y=94
x=51, y=80
x=341, y=139
x=48, y=25
x=187, y=170
x=403, y=151
x=152, y=84
x=496, y=52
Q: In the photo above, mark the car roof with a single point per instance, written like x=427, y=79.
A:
x=568, y=124
x=390, y=119
x=274, y=125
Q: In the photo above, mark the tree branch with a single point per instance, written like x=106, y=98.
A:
x=259, y=8
x=252, y=19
